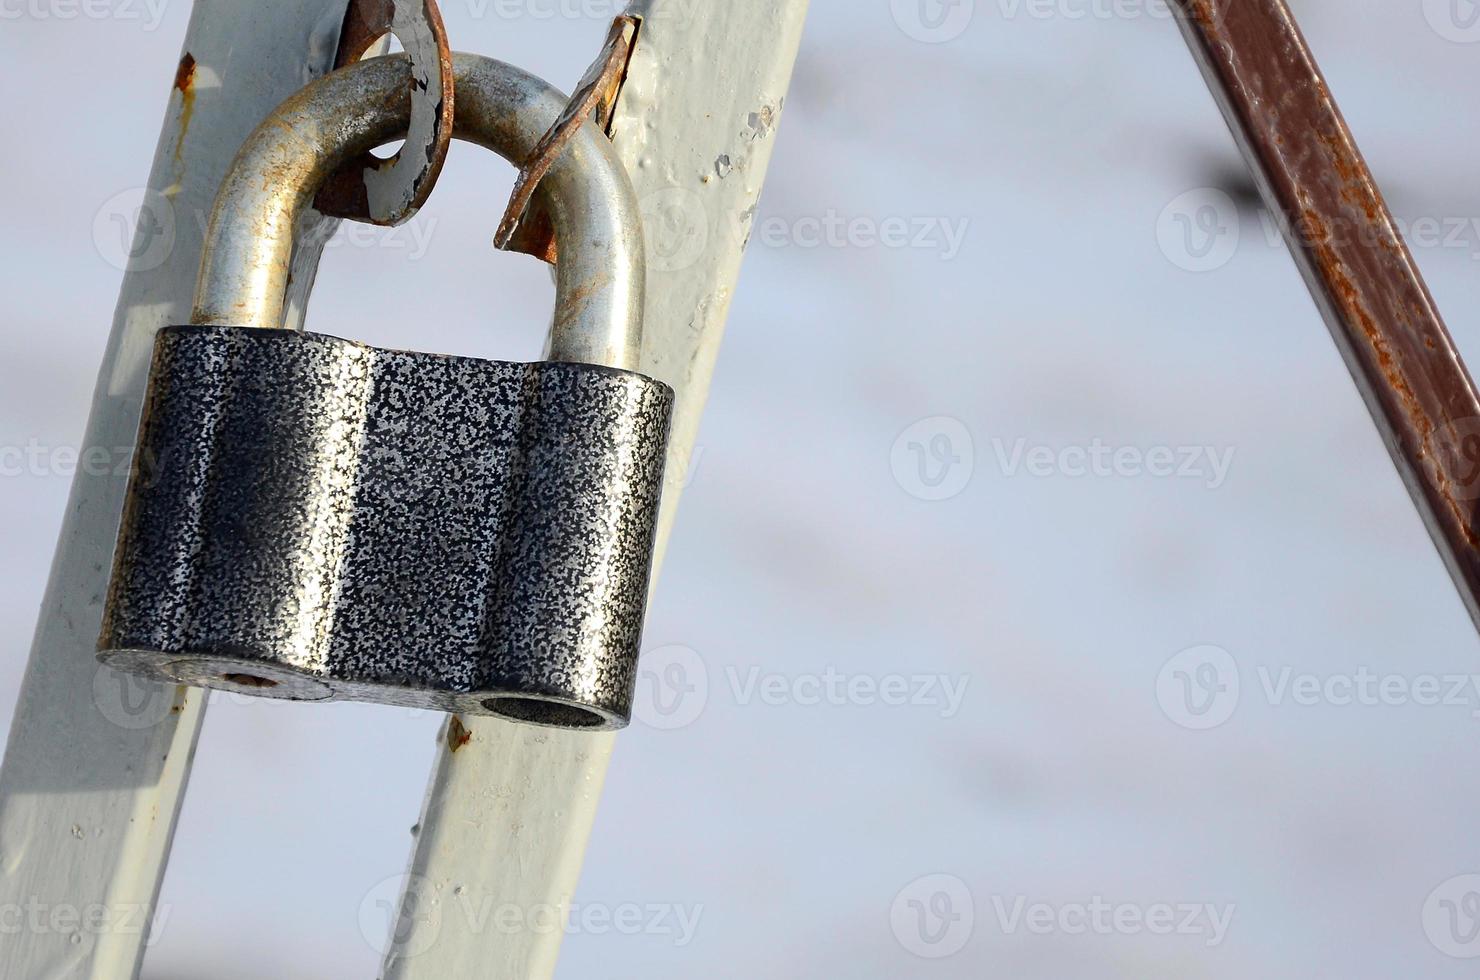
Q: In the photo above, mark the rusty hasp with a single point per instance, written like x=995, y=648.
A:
x=526, y=229
x=1353, y=257
x=389, y=192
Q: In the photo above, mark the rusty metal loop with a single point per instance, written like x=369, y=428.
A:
x=600, y=278
x=525, y=228
x=388, y=192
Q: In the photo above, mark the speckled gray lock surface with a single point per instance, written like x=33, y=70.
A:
x=313, y=518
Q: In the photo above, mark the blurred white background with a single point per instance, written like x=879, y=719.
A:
x=1041, y=154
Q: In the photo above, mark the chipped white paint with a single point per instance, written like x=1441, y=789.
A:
x=509, y=810
x=96, y=764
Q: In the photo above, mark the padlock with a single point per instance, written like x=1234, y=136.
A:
x=315, y=519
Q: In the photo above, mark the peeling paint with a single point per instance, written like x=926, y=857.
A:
x=457, y=734
x=760, y=123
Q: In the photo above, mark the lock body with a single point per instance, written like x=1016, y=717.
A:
x=313, y=518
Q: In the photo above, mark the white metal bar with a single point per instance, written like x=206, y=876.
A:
x=96, y=764
x=510, y=808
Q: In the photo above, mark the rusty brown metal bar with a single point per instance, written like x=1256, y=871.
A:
x=390, y=192
x=595, y=95
x=1353, y=257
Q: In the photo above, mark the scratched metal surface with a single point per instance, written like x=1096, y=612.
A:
x=315, y=519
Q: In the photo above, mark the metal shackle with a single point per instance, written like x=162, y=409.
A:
x=600, y=273
x=313, y=518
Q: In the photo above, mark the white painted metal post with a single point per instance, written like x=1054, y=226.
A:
x=510, y=808
x=97, y=763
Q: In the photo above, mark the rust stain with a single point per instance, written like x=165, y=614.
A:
x=457, y=734
x=572, y=302
x=1206, y=14
x=1432, y=448
x=185, y=76
x=595, y=97
x=423, y=34
x=185, y=82
x=1255, y=58
x=1346, y=291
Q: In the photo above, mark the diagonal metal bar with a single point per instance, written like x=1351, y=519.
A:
x=97, y=764
x=510, y=807
x=1353, y=258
